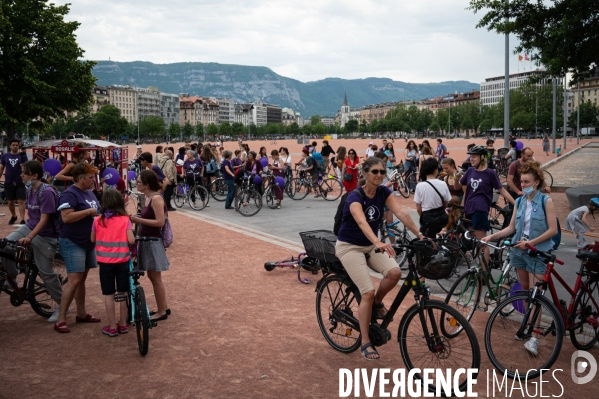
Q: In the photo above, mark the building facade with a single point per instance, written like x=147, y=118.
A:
x=259, y=114
x=125, y=99
x=226, y=110
x=588, y=90
x=492, y=89
x=101, y=98
x=328, y=121
x=148, y=102
x=273, y=113
x=169, y=108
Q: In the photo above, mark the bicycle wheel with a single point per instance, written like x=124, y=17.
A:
x=401, y=254
x=202, y=198
x=179, y=195
x=506, y=350
x=299, y=189
x=249, y=203
x=335, y=297
x=402, y=187
x=464, y=295
x=37, y=295
x=269, y=196
x=331, y=189
x=460, y=266
x=442, y=352
x=218, y=189
x=496, y=218
x=142, y=321
x=585, y=336
x=548, y=178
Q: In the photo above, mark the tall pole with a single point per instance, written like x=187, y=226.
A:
x=449, y=119
x=138, y=142
x=578, y=116
x=565, y=107
x=536, y=109
x=506, y=89
x=553, y=81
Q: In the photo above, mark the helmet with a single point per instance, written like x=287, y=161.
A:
x=310, y=264
x=595, y=201
x=477, y=150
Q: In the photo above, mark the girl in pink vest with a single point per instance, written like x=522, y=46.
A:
x=112, y=232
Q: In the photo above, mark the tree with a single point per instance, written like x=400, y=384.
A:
x=442, y=119
x=152, y=126
x=352, y=125
x=225, y=129
x=315, y=119
x=319, y=129
x=174, y=130
x=523, y=120
x=199, y=131
x=237, y=129
x=293, y=129
x=109, y=122
x=187, y=130
x=82, y=123
x=589, y=115
x=212, y=130
x=42, y=73
x=565, y=33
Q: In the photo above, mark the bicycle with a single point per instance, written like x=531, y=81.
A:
x=33, y=289
x=248, y=200
x=183, y=193
x=138, y=311
x=300, y=261
x=423, y=333
x=402, y=185
x=271, y=191
x=465, y=293
x=549, y=319
x=391, y=234
x=330, y=188
x=218, y=189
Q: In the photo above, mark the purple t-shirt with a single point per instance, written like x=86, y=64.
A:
x=79, y=231
x=192, y=167
x=373, y=208
x=12, y=166
x=158, y=171
x=479, y=189
x=226, y=174
x=47, y=206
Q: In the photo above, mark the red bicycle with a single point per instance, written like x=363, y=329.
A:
x=543, y=322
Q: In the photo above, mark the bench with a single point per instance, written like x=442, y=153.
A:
x=579, y=196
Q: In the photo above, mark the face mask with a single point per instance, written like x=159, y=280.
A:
x=29, y=183
x=528, y=190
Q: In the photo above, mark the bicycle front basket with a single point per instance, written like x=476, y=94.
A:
x=436, y=263
x=320, y=244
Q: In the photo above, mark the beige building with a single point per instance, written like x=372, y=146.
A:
x=198, y=110
x=588, y=90
x=125, y=99
x=101, y=98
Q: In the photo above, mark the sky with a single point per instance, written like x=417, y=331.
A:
x=411, y=41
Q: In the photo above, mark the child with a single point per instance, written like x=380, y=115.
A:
x=112, y=232
x=278, y=169
x=577, y=221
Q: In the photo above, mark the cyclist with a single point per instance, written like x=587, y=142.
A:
x=278, y=169
x=533, y=222
x=326, y=152
x=254, y=167
x=478, y=183
x=362, y=215
x=192, y=167
x=411, y=161
x=41, y=230
x=312, y=169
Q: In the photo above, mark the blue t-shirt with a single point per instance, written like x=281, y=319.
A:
x=80, y=231
x=373, y=208
x=12, y=166
x=226, y=174
x=479, y=189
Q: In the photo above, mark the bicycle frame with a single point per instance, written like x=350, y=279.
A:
x=24, y=262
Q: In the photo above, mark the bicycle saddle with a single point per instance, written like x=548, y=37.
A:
x=585, y=254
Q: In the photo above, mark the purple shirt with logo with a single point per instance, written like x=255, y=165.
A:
x=47, y=206
x=12, y=166
x=79, y=232
x=373, y=208
x=479, y=189
x=158, y=171
x=191, y=167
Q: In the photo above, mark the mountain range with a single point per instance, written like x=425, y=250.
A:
x=254, y=83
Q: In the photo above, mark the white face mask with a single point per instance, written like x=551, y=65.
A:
x=30, y=182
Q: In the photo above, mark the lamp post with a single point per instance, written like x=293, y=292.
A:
x=565, y=107
x=506, y=89
x=554, y=133
x=578, y=116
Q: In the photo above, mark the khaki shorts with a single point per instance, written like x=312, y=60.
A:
x=355, y=263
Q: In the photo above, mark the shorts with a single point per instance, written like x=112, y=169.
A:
x=480, y=221
x=76, y=259
x=314, y=176
x=111, y=272
x=355, y=263
x=15, y=191
x=528, y=263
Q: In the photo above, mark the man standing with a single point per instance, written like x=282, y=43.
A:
x=441, y=150
x=326, y=152
x=14, y=187
x=168, y=167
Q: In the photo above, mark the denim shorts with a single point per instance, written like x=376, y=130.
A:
x=76, y=258
x=480, y=221
x=528, y=263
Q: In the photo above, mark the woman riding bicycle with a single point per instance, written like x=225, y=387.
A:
x=41, y=230
x=192, y=170
x=362, y=215
x=533, y=222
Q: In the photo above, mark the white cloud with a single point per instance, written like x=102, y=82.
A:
x=416, y=41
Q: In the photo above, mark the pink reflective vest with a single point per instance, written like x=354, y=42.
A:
x=112, y=245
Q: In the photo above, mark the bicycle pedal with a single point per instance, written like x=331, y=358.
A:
x=154, y=324
x=483, y=308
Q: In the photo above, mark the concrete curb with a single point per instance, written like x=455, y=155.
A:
x=556, y=160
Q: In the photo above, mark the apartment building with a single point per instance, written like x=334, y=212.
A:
x=588, y=90
x=169, y=108
x=148, y=102
x=452, y=100
x=273, y=113
x=327, y=120
x=101, y=98
x=125, y=99
x=226, y=110
x=492, y=89
x=198, y=110
x=259, y=114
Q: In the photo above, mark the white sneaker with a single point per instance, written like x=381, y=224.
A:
x=56, y=314
x=532, y=346
x=518, y=338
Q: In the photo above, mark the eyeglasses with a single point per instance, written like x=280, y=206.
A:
x=383, y=172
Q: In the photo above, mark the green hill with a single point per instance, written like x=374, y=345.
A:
x=250, y=83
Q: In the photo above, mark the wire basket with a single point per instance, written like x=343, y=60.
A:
x=320, y=244
x=436, y=263
x=590, y=264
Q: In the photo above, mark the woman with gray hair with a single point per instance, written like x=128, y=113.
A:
x=193, y=169
x=362, y=215
x=228, y=176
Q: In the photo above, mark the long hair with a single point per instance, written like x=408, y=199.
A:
x=150, y=179
x=411, y=142
x=34, y=168
x=454, y=213
x=112, y=200
x=206, y=154
x=341, y=154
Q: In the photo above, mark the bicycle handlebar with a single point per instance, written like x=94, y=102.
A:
x=546, y=255
x=13, y=243
x=470, y=238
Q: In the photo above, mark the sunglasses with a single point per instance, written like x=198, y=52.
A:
x=383, y=172
x=351, y=153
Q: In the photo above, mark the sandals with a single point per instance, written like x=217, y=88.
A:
x=62, y=327
x=367, y=353
x=87, y=319
x=376, y=310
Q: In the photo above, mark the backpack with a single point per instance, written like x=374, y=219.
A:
x=210, y=167
x=445, y=151
x=556, y=239
x=317, y=156
x=339, y=214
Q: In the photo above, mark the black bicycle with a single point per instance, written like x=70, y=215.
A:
x=425, y=330
x=33, y=289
